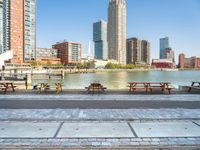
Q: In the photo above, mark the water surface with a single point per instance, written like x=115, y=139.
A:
x=118, y=80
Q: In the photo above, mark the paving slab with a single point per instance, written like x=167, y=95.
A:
x=166, y=129
x=95, y=130
x=28, y=130
x=197, y=122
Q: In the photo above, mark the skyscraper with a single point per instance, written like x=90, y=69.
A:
x=164, y=44
x=138, y=52
x=19, y=26
x=133, y=51
x=117, y=31
x=100, y=40
x=145, y=52
x=1, y=26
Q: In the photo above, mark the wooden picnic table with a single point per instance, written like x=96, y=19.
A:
x=133, y=86
x=46, y=86
x=160, y=86
x=5, y=86
x=95, y=87
x=194, y=85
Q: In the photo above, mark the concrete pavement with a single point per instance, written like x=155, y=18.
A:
x=67, y=135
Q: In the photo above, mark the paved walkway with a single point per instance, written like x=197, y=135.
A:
x=185, y=134
x=98, y=114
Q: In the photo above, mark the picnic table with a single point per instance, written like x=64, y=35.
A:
x=46, y=86
x=5, y=86
x=150, y=86
x=133, y=86
x=194, y=85
x=95, y=87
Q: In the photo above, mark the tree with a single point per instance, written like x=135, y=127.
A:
x=34, y=63
x=49, y=64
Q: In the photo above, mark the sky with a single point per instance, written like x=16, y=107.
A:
x=72, y=20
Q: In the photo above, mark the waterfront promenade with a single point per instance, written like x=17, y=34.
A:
x=170, y=122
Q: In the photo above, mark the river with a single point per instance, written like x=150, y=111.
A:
x=118, y=80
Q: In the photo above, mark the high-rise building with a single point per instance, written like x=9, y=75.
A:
x=117, y=31
x=169, y=54
x=164, y=43
x=100, y=40
x=19, y=34
x=133, y=51
x=145, y=51
x=138, y=52
x=1, y=26
x=69, y=52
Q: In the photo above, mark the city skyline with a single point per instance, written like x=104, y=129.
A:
x=154, y=23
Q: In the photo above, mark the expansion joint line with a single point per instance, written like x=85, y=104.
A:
x=133, y=131
x=58, y=130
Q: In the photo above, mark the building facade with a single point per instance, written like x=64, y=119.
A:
x=145, y=52
x=191, y=62
x=117, y=31
x=138, y=52
x=47, y=55
x=181, y=60
x=19, y=29
x=133, y=51
x=46, y=52
x=100, y=40
x=164, y=44
x=69, y=52
x=169, y=54
x=1, y=26
x=163, y=63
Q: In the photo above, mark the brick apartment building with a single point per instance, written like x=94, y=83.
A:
x=19, y=29
x=191, y=62
x=70, y=53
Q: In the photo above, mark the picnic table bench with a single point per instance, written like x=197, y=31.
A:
x=150, y=86
x=133, y=86
x=95, y=87
x=5, y=86
x=46, y=86
x=194, y=85
x=160, y=86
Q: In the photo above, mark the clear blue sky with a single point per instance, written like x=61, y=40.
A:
x=72, y=20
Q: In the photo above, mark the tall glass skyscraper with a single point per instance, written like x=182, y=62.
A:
x=19, y=26
x=164, y=44
x=117, y=31
x=100, y=40
x=1, y=26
